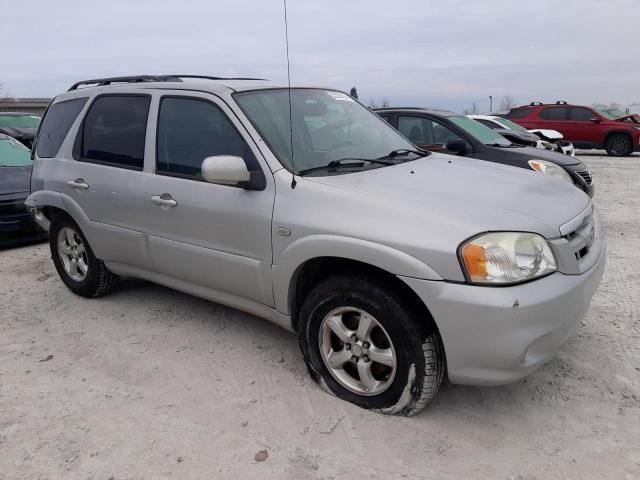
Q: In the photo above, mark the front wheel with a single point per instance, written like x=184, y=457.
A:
x=619, y=145
x=362, y=343
x=77, y=266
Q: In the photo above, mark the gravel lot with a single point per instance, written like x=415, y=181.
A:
x=152, y=383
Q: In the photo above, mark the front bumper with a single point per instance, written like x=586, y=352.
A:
x=498, y=335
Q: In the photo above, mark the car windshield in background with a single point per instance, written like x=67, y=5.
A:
x=511, y=125
x=611, y=113
x=13, y=153
x=19, y=121
x=480, y=132
x=328, y=126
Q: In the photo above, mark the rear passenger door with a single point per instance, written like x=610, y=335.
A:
x=215, y=236
x=556, y=118
x=106, y=175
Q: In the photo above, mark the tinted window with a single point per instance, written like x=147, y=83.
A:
x=114, y=131
x=581, y=114
x=57, y=122
x=488, y=123
x=555, y=113
x=191, y=130
x=423, y=131
x=519, y=112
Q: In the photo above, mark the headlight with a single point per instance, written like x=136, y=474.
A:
x=550, y=169
x=506, y=257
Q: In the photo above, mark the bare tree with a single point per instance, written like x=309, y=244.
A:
x=472, y=110
x=507, y=103
x=382, y=102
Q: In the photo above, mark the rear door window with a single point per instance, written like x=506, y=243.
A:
x=114, y=131
x=55, y=126
x=190, y=130
x=555, y=113
x=519, y=112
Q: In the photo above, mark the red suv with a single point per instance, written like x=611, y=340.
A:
x=586, y=127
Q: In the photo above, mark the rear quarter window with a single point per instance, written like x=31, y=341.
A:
x=55, y=126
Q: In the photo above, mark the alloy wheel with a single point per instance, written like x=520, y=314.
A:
x=357, y=351
x=73, y=254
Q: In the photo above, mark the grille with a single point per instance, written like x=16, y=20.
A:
x=586, y=176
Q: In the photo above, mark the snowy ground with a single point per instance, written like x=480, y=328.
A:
x=151, y=383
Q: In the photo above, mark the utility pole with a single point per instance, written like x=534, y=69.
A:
x=490, y=103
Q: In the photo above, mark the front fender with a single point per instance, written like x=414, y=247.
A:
x=308, y=248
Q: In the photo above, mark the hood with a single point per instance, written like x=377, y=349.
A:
x=470, y=196
x=634, y=118
x=24, y=135
x=15, y=180
x=547, y=134
x=518, y=135
x=528, y=153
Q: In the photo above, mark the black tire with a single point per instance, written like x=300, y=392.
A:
x=619, y=145
x=98, y=280
x=420, y=359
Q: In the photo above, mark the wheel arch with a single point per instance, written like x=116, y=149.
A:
x=618, y=132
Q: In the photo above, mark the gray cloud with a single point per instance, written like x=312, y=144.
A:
x=415, y=52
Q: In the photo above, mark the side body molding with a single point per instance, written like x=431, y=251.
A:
x=291, y=260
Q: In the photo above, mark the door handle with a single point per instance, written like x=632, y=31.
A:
x=164, y=200
x=78, y=184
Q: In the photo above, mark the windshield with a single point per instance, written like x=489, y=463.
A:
x=13, y=153
x=479, y=131
x=611, y=113
x=511, y=125
x=327, y=126
x=19, y=121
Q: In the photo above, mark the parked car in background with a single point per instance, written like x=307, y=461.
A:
x=540, y=138
x=302, y=206
x=16, y=222
x=586, y=127
x=21, y=126
x=449, y=132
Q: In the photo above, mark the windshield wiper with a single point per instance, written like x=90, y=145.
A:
x=405, y=151
x=344, y=162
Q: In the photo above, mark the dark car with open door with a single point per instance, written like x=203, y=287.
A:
x=456, y=134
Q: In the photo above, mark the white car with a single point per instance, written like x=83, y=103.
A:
x=548, y=139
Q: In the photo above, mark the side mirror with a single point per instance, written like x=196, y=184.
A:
x=231, y=170
x=594, y=120
x=457, y=145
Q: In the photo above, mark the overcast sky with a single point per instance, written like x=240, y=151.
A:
x=415, y=52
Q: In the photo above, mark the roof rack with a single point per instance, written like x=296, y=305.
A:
x=206, y=77
x=99, y=82
x=561, y=102
x=535, y=104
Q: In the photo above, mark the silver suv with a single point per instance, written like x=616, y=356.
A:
x=392, y=265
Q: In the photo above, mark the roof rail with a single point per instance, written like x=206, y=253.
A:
x=99, y=82
x=206, y=77
x=561, y=102
x=534, y=104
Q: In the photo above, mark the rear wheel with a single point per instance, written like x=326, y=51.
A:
x=77, y=266
x=619, y=145
x=363, y=344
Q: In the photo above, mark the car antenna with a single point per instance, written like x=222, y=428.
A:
x=286, y=38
